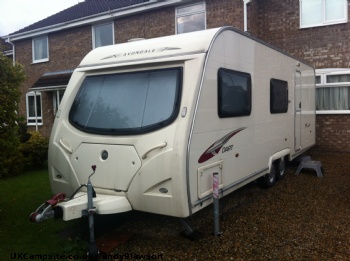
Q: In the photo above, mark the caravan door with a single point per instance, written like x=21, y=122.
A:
x=297, y=111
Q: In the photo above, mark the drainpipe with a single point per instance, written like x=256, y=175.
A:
x=13, y=50
x=36, y=113
x=246, y=2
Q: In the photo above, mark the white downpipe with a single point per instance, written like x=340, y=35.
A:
x=13, y=51
x=36, y=113
x=245, y=10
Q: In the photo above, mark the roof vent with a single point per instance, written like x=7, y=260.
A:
x=136, y=39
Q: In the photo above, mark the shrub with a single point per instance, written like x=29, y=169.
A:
x=11, y=77
x=11, y=161
x=34, y=151
x=23, y=133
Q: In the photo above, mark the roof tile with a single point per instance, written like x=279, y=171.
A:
x=81, y=10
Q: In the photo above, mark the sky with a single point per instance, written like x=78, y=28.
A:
x=17, y=14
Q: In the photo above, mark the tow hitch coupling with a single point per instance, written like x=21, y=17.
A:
x=46, y=210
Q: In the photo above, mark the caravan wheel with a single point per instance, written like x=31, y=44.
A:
x=280, y=166
x=269, y=179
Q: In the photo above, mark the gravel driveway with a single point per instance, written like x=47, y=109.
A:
x=301, y=218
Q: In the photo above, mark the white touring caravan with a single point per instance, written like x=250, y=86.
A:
x=158, y=117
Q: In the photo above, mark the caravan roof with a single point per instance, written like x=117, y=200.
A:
x=161, y=47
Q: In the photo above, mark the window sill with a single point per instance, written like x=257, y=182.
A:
x=326, y=24
x=333, y=112
x=34, y=124
x=40, y=61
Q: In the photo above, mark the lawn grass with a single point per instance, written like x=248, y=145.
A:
x=20, y=196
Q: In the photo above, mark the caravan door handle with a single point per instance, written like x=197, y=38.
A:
x=66, y=147
x=162, y=145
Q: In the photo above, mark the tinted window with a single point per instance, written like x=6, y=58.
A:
x=103, y=35
x=278, y=96
x=234, y=94
x=127, y=103
x=40, y=49
x=190, y=18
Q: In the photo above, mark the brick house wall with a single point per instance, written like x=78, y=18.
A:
x=253, y=18
x=66, y=49
x=225, y=13
x=333, y=132
x=153, y=24
x=162, y=22
x=322, y=47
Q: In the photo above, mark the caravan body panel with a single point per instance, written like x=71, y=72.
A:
x=150, y=115
x=249, y=144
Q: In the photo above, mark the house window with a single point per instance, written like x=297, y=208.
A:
x=34, y=109
x=278, y=96
x=234, y=93
x=57, y=98
x=333, y=91
x=190, y=18
x=322, y=12
x=318, y=79
x=40, y=48
x=103, y=35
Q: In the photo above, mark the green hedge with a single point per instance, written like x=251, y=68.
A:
x=11, y=77
x=34, y=151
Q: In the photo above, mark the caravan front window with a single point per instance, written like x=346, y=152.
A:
x=127, y=103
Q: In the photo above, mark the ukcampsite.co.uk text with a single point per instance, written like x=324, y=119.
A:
x=131, y=256
x=56, y=256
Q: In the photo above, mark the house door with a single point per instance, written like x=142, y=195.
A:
x=297, y=111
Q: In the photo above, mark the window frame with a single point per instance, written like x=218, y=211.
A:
x=273, y=110
x=94, y=34
x=34, y=120
x=57, y=97
x=203, y=10
x=324, y=22
x=33, y=49
x=223, y=114
x=323, y=73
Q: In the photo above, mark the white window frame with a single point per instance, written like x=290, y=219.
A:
x=33, y=49
x=325, y=22
x=203, y=10
x=323, y=73
x=56, y=99
x=34, y=120
x=94, y=34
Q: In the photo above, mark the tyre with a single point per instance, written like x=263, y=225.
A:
x=269, y=179
x=280, y=167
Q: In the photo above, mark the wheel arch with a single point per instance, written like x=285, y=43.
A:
x=278, y=155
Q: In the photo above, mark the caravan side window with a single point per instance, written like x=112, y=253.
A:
x=278, y=96
x=234, y=93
